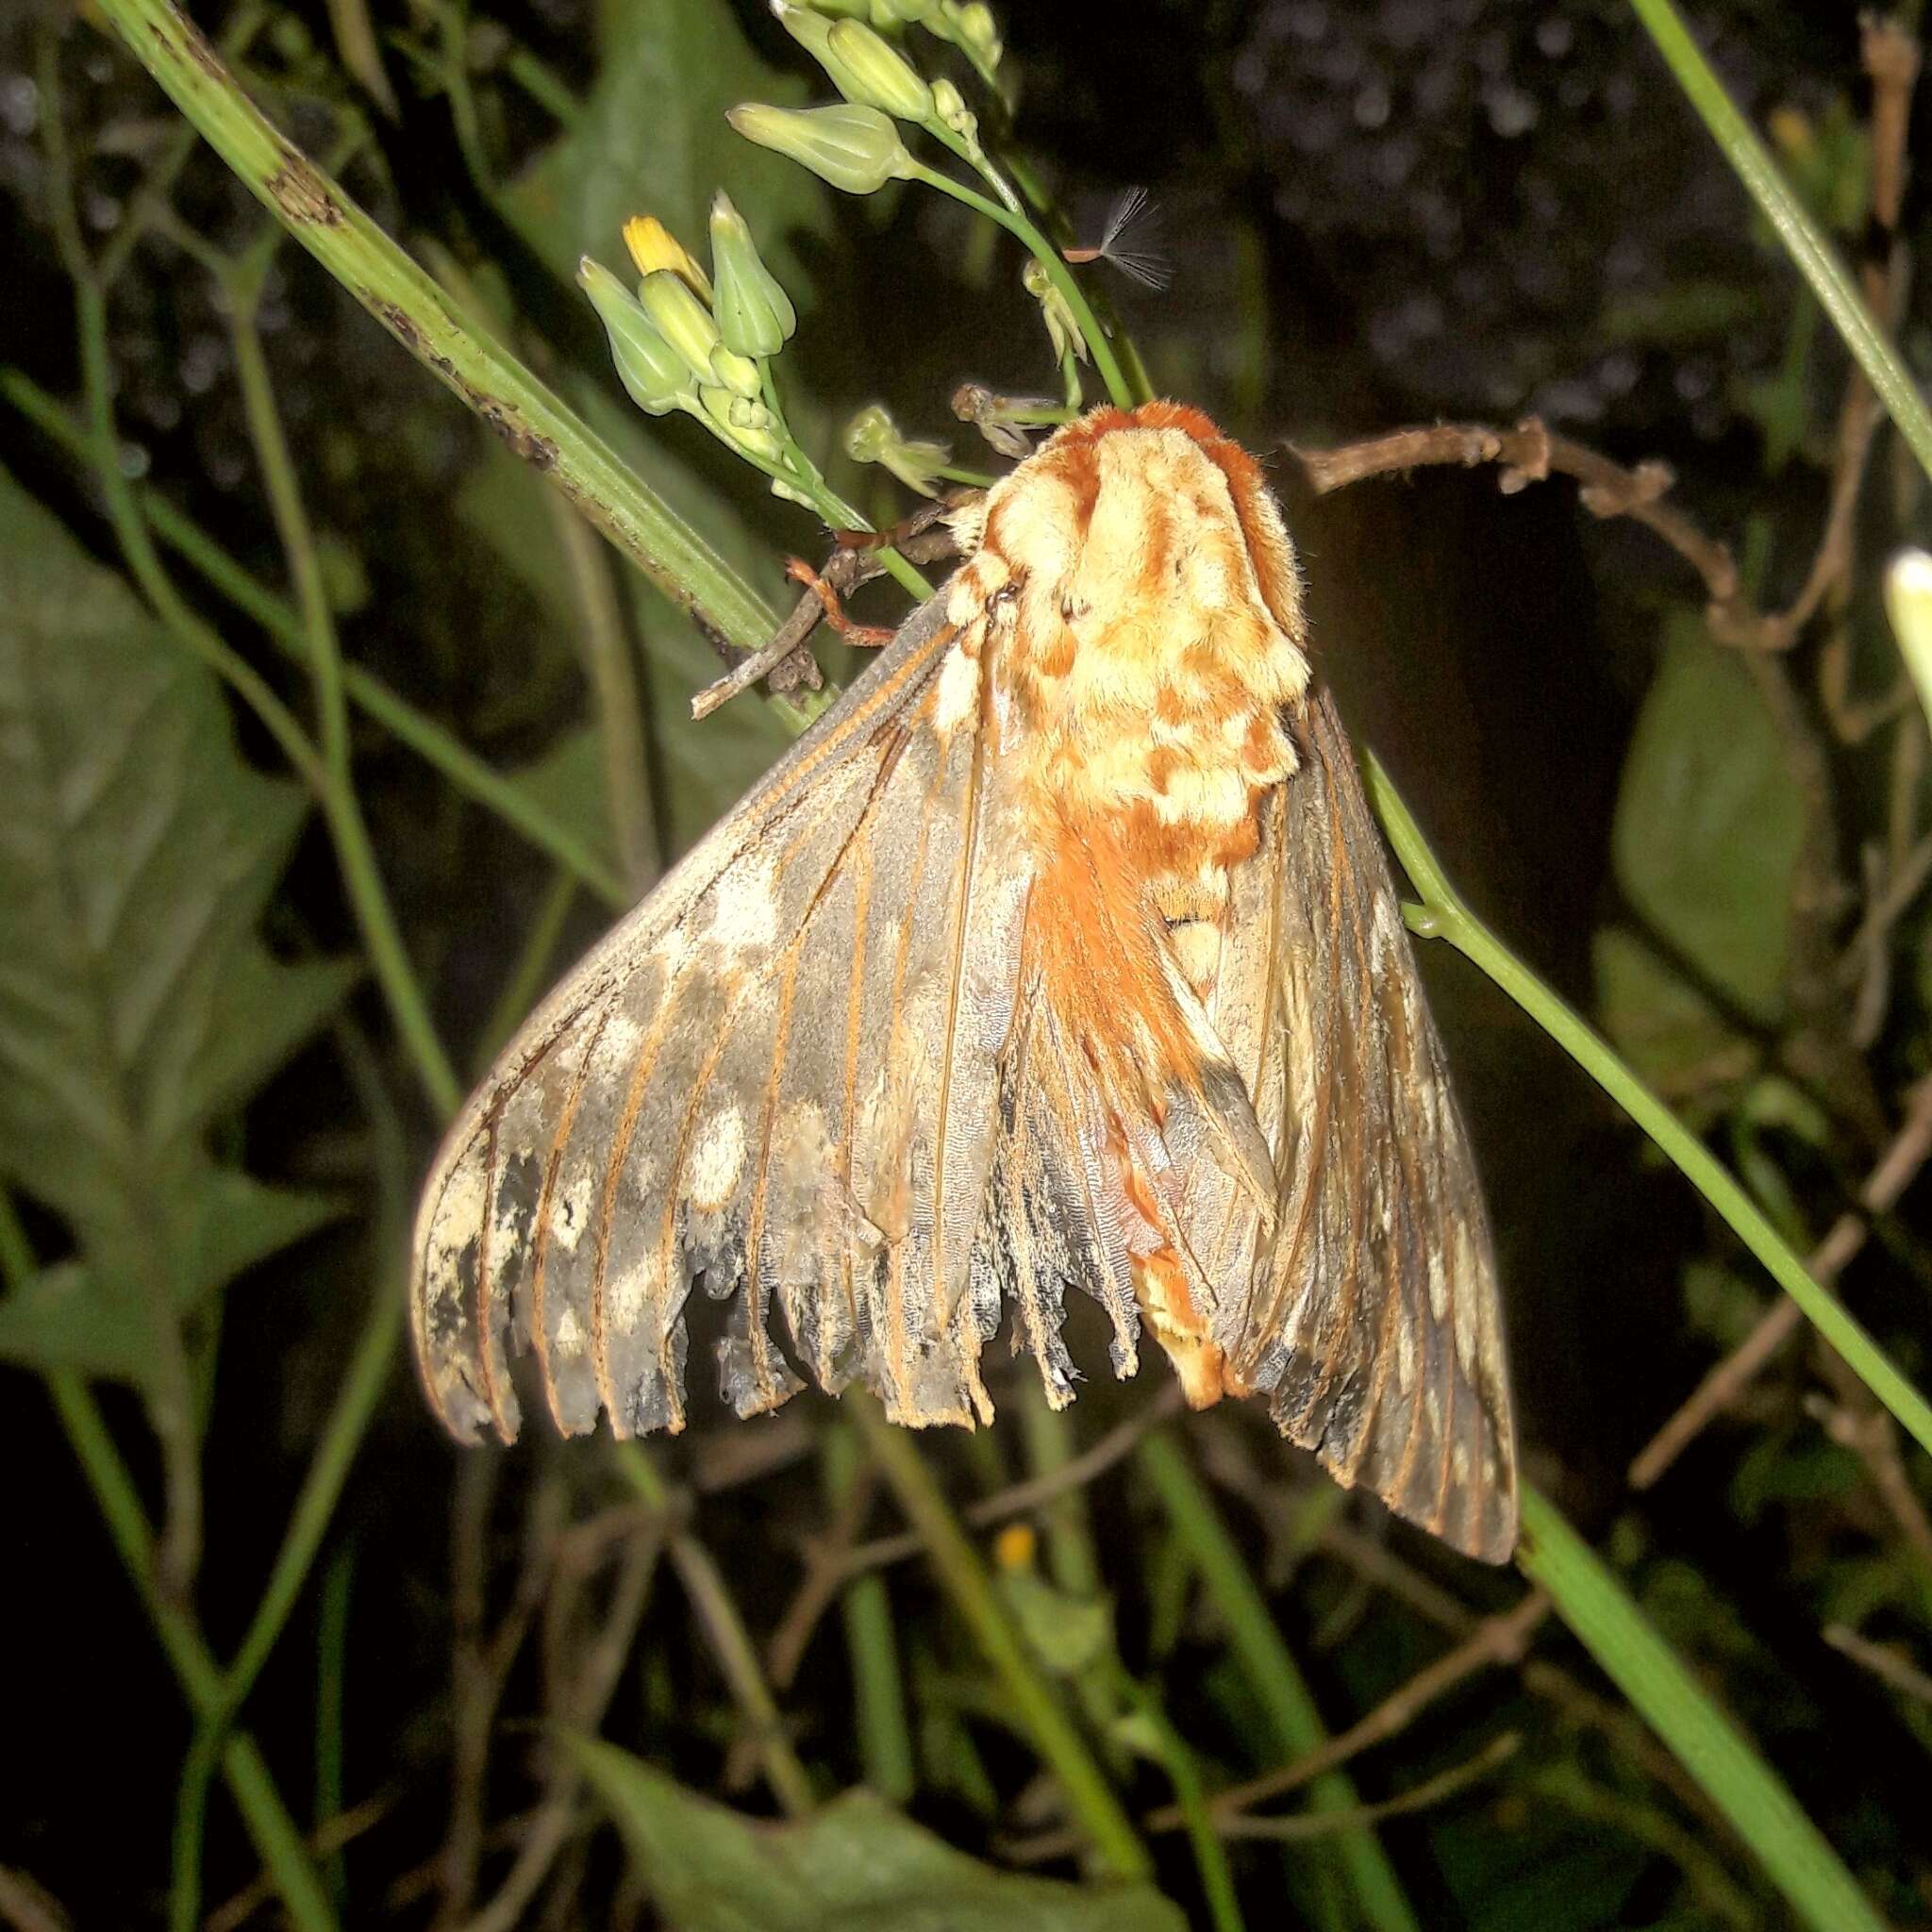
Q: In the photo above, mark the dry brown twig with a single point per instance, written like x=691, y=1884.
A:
x=786, y=662
x=1886, y=1662
x=1501, y=1639
x=1909, y=1151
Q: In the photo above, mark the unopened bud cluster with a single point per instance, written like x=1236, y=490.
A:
x=697, y=342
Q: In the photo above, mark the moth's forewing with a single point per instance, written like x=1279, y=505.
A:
x=777, y=1075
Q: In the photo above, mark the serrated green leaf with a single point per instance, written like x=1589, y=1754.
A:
x=1708, y=827
x=74, y=1316
x=854, y=1866
x=138, y=1004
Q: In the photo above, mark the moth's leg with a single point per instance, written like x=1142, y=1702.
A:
x=868, y=637
x=785, y=660
x=924, y=536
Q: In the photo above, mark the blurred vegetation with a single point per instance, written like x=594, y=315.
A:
x=329, y=732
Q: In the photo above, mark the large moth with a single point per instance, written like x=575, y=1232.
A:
x=1061, y=952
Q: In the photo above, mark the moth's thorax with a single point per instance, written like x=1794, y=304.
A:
x=1144, y=614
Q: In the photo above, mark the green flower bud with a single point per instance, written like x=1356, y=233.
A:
x=683, y=321
x=873, y=436
x=855, y=148
x=949, y=107
x=879, y=74
x=755, y=315
x=977, y=31
x=790, y=492
x=738, y=373
x=813, y=32
x=1908, y=604
x=745, y=423
x=887, y=14
x=652, y=371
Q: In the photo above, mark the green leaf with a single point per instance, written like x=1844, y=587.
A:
x=653, y=140
x=138, y=1006
x=1708, y=826
x=1067, y=1632
x=854, y=1866
x=704, y=768
x=567, y=782
x=74, y=1317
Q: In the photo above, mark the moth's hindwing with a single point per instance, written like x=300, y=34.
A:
x=1370, y=1316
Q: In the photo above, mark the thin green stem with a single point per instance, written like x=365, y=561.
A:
x=1804, y=240
x=270, y=1827
x=611, y=673
x=1055, y=270
x=354, y=852
x=1804, y=1868
x=534, y=422
x=1271, y=1670
x=1090, y=1798
x=532, y=972
x=331, y=1704
x=1164, y=1743
x=865, y=1606
x=1444, y=916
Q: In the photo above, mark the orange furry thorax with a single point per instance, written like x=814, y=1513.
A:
x=1143, y=613
x=1145, y=616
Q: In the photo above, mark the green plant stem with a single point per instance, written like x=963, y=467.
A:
x=1442, y=915
x=1055, y=270
x=331, y=1704
x=1265, y=1660
x=730, y=1642
x=270, y=1827
x=1803, y=240
x=1804, y=1868
x=423, y=734
x=865, y=1608
x=611, y=673
x=534, y=422
x=530, y=975
x=1090, y=1798
x=349, y=831
x=1211, y=1856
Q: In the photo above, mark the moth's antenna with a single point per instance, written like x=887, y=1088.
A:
x=1148, y=266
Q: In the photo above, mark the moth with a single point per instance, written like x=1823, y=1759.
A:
x=1061, y=952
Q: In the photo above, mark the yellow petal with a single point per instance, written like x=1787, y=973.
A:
x=654, y=246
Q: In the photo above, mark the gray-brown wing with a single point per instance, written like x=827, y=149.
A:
x=1370, y=1314
x=776, y=1080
